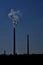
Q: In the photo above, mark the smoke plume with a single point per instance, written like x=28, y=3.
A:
x=15, y=16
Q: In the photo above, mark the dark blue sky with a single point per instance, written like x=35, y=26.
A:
x=31, y=23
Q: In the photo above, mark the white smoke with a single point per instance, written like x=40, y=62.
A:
x=15, y=16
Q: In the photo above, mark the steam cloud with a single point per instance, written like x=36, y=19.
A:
x=15, y=16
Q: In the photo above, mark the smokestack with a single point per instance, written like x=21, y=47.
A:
x=14, y=16
x=14, y=43
x=27, y=44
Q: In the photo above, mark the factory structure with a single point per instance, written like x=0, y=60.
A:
x=14, y=16
x=14, y=48
x=27, y=44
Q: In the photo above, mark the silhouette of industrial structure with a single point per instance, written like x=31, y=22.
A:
x=14, y=49
x=27, y=44
x=14, y=16
x=4, y=52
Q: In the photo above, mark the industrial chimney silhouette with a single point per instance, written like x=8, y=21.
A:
x=14, y=51
x=14, y=16
x=27, y=44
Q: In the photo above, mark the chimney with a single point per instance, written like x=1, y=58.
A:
x=27, y=44
x=14, y=43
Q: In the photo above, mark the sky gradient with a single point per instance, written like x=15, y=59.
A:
x=30, y=23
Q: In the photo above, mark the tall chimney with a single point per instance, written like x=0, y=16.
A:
x=27, y=44
x=14, y=43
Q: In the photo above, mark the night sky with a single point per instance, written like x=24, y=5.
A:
x=30, y=23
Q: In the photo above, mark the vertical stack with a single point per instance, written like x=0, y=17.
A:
x=14, y=42
x=27, y=44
